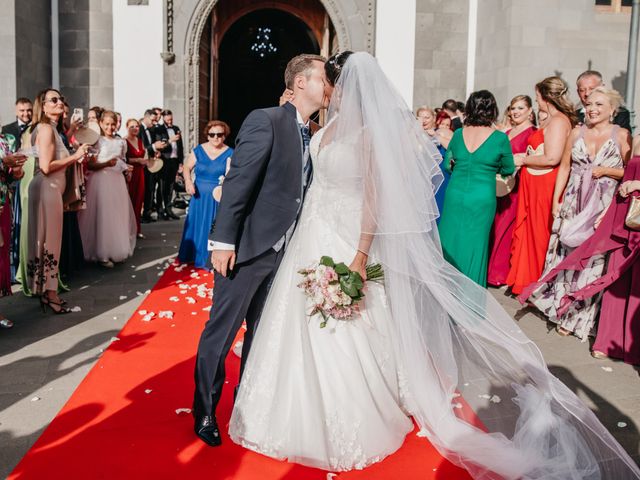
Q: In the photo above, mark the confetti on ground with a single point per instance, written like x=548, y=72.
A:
x=174, y=299
x=207, y=308
x=165, y=314
x=484, y=395
x=142, y=312
x=148, y=391
x=191, y=300
x=182, y=410
x=76, y=309
x=607, y=369
x=114, y=339
x=622, y=424
x=35, y=399
x=123, y=297
x=495, y=399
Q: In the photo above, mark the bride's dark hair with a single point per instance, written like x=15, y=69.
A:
x=334, y=65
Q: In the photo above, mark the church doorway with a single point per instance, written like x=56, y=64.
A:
x=245, y=49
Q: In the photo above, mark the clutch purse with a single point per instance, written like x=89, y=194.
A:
x=505, y=185
x=74, y=197
x=632, y=220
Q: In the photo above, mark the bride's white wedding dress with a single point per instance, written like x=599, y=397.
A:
x=331, y=397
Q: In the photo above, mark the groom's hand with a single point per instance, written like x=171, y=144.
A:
x=223, y=261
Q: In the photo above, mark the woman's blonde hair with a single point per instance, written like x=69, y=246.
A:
x=424, y=108
x=554, y=91
x=615, y=99
x=107, y=114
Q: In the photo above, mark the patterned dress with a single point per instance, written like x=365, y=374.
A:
x=6, y=147
x=45, y=225
x=584, y=200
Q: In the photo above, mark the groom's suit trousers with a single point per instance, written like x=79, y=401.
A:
x=240, y=295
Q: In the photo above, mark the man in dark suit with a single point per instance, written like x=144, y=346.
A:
x=172, y=156
x=451, y=107
x=153, y=148
x=589, y=80
x=24, y=111
x=263, y=195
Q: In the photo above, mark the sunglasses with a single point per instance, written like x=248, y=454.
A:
x=55, y=100
x=215, y=135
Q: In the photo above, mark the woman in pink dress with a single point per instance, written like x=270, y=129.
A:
x=136, y=158
x=522, y=117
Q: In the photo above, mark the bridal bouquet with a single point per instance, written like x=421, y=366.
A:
x=334, y=290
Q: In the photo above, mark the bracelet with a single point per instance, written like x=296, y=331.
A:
x=364, y=253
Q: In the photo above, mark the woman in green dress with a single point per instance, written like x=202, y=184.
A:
x=475, y=155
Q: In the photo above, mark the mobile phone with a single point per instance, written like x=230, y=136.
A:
x=78, y=113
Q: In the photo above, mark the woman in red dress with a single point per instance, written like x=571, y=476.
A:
x=537, y=184
x=520, y=113
x=136, y=157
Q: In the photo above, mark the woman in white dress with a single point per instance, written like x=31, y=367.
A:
x=108, y=224
x=338, y=397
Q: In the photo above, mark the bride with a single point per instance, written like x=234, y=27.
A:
x=342, y=397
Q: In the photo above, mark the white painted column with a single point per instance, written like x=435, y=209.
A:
x=471, y=46
x=396, y=43
x=138, y=76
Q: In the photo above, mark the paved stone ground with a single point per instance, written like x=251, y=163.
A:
x=47, y=356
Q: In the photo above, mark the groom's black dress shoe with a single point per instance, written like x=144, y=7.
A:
x=207, y=429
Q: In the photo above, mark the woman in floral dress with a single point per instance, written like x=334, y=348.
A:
x=588, y=176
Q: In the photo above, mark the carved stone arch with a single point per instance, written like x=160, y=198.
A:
x=353, y=21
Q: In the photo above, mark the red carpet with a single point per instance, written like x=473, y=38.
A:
x=121, y=422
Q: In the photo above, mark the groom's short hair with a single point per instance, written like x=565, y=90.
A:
x=300, y=65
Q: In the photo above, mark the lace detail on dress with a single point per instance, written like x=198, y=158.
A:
x=344, y=438
x=328, y=398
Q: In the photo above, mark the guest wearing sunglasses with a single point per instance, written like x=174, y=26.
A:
x=45, y=199
x=209, y=163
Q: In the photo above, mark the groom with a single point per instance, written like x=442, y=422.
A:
x=262, y=197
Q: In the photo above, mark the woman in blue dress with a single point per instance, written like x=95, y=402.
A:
x=204, y=171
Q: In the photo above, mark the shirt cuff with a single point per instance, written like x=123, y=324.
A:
x=223, y=246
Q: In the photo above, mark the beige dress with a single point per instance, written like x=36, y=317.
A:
x=45, y=224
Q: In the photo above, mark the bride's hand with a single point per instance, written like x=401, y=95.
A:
x=359, y=264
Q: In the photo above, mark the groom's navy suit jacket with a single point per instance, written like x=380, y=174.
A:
x=263, y=190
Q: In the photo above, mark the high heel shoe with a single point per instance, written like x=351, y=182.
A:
x=46, y=302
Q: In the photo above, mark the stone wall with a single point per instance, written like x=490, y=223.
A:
x=33, y=47
x=521, y=42
x=441, y=51
x=8, y=61
x=86, y=52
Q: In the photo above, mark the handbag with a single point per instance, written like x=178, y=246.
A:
x=632, y=219
x=74, y=197
x=505, y=185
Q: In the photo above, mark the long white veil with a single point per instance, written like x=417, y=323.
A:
x=456, y=341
